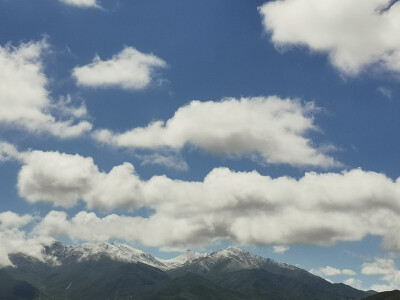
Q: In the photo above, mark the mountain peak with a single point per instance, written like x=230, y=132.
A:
x=187, y=256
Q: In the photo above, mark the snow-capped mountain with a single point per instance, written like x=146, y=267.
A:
x=244, y=259
x=107, y=271
x=233, y=259
x=185, y=258
x=59, y=253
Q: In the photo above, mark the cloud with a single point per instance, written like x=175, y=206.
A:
x=82, y=3
x=170, y=160
x=9, y=152
x=272, y=128
x=316, y=209
x=385, y=267
x=329, y=271
x=129, y=69
x=355, y=34
x=63, y=179
x=24, y=99
x=280, y=249
x=14, y=240
x=55, y=177
x=386, y=92
x=10, y=219
x=355, y=283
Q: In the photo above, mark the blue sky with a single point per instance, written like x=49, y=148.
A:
x=269, y=125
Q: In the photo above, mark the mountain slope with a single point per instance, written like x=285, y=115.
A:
x=191, y=287
x=16, y=289
x=392, y=295
x=100, y=278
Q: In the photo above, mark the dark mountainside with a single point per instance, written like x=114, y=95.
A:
x=393, y=295
x=16, y=289
x=115, y=271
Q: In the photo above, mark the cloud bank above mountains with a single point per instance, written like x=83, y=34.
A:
x=243, y=207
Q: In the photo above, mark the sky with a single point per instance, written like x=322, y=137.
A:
x=168, y=125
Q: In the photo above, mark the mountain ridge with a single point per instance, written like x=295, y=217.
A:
x=104, y=270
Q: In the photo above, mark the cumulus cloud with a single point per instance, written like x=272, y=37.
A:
x=129, y=69
x=10, y=219
x=55, y=177
x=329, y=271
x=273, y=128
x=87, y=226
x=82, y=3
x=385, y=267
x=63, y=179
x=355, y=34
x=24, y=99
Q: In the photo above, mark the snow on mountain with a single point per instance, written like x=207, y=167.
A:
x=186, y=257
x=59, y=253
x=237, y=259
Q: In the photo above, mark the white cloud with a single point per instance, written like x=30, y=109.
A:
x=54, y=177
x=9, y=152
x=329, y=271
x=355, y=283
x=272, y=128
x=385, y=267
x=24, y=99
x=129, y=69
x=280, y=249
x=10, y=219
x=14, y=240
x=355, y=34
x=82, y=3
x=63, y=179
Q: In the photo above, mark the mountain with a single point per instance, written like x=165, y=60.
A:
x=261, y=278
x=185, y=258
x=393, y=295
x=116, y=271
x=59, y=253
x=11, y=288
x=96, y=277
